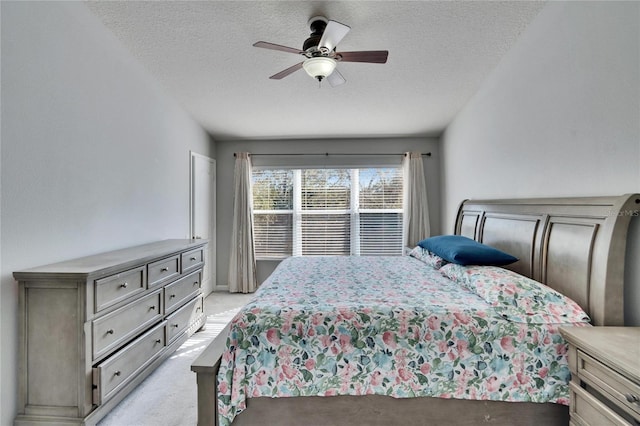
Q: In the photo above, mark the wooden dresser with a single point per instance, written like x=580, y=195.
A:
x=91, y=329
x=605, y=375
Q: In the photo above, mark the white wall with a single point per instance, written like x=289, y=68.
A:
x=225, y=164
x=559, y=116
x=94, y=155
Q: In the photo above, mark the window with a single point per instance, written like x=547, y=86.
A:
x=313, y=212
x=273, y=212
x=380, y=211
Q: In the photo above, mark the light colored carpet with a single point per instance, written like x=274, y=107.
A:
x=168, y=397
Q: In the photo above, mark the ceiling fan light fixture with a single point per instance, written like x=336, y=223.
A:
x=319, y=67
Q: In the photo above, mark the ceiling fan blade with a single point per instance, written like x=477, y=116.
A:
x=336, y=79
x=333, y=33
x=284, y=73
x=370, y=56
x=266, y=45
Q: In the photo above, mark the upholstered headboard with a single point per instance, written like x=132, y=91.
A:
x=574, y=245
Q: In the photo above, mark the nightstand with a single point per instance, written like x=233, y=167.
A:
x=605, y=375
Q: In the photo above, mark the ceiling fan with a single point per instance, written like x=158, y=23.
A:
x=320, y=52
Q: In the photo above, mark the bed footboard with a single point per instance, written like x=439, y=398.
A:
x=379, y=410
x=206, y=368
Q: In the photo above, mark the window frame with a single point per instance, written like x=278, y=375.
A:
x=354, y=211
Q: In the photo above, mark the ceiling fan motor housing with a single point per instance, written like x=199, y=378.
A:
x=317, y=24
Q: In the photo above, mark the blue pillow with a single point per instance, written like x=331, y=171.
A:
x=465, y=251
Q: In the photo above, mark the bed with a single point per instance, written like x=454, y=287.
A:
x=373, y=354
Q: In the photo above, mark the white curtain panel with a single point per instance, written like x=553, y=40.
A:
x=242, y=264
x=416, y=205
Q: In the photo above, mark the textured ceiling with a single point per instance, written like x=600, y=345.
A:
x=201, y=52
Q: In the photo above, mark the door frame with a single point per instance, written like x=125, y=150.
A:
x=212, y=241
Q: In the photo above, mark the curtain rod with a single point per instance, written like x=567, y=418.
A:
x=326, y=154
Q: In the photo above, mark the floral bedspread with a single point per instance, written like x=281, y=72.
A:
x=323, y=326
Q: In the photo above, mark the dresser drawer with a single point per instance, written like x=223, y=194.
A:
x=124, y=323
x=116, y=288
x=192, y=259
x=181, y=319
x=609, y=381
x=179, y=292
x=163, y=270
x=587, y=410
x=112, y=374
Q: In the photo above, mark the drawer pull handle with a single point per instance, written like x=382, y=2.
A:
x=164, y=270
x=152, y=308
x=158, y=341
x=172, y=296
x=124, y=285
x=195, y=283
x=175, y=325
x=110, y=331
x=631, y=397
x=117, y=373
x=192, y=259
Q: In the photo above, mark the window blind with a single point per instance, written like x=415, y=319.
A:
x=314, y=212
x=380, y=234
x=325, y=189
x=272, y=189
x=380, y=188
x=273, y=213
x=380, y=212
x=272, y=235
x=325, y=234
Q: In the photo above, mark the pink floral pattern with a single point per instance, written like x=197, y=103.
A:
x=516, y=297
x=424, y=255
x=323, y=326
